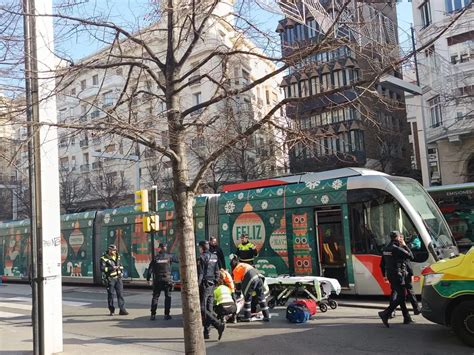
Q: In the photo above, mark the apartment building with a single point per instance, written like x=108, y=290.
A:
x=352, y=127
x=99, y=168
x=446, y=69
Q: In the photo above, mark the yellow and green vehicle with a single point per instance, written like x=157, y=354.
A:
x=448, y=294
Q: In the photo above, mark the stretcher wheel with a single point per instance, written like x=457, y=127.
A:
x=271, y=304
x=332, y=304
x=323, y=308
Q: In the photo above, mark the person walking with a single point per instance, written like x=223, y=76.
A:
x=247, y=281
x=246, y=251
x=112, y=271
x=393, y=265
x=208, y=275
x=215, y=249
x=160, y=268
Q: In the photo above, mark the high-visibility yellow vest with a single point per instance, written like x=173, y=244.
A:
x=222, y=294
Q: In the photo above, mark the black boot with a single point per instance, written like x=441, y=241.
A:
x=220, y=330
x=407, y=320
x=384, y=318
x=152, y=317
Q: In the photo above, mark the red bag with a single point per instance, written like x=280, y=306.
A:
x=308, y=303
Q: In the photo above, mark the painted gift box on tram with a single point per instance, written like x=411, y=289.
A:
x=333, y=224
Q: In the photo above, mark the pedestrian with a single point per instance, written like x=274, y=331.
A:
x=215, y=249
x=246, y=251
x=112, y=271
x=208, y=275
x=247, y=281
x=393, y=265
x=160, y=268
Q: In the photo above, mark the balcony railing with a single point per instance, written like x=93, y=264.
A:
x=96, y=165
x=84, y=168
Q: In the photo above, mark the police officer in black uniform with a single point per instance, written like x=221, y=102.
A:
x=208, y=275
x=215, y=249
x=160, y=267
x=394, y=265
x=112, y=270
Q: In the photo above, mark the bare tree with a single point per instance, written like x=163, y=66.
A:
x=160, y=65
x=72, y=190
x=108, y=187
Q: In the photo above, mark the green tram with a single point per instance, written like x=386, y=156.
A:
x=333, y=223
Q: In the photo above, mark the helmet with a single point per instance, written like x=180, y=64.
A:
x=204, y=244
x=112, y=247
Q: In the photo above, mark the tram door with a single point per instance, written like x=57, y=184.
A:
x=330, y=245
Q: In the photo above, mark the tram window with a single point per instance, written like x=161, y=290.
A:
x=374, y=214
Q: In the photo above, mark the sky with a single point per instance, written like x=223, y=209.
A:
x=78, y=46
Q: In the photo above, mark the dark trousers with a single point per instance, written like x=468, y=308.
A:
x=159, y=286
x=206, y=297
x=257, y=287
x=115, y=285
x=410, y=294
x=397, y=297
x=225, y=309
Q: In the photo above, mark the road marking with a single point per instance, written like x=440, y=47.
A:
x=25, y=299
x=26, y=307
x=11, y=315
x=75, y=304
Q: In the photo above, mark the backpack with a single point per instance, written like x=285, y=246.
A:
x=297, y=313
x=308, y=303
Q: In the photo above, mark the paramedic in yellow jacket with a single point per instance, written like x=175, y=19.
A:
x=246, y=251
x=224, y=301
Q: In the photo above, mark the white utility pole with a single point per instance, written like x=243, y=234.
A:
x=44, y=177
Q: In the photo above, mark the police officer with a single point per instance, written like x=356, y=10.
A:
x=215, y=249
x=394, y=266
x=112, y=270
x=160, y=267
x=246, y=251
x=208, y=275
x=414, y=244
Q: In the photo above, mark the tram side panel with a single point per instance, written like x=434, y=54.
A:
x=16, y=249
x=77, y=241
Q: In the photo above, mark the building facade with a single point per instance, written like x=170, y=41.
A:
x=446, y=69
x=349, y=126
x=99, y=168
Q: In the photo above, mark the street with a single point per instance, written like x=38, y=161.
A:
x=89, y=329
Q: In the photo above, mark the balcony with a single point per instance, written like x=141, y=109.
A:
x=96, y=165
x=85, y=168
x=84, y=143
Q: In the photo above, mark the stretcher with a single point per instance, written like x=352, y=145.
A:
x=320, y=289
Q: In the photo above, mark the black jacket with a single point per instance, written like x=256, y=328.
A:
x=220, y=255
x=160, y=267
x=208, y=269
x=395, y=260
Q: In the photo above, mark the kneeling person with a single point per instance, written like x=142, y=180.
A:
x=224, y=301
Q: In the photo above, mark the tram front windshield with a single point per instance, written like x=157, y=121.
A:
x=429, y=212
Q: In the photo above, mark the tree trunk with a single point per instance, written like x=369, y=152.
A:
x=193, y=331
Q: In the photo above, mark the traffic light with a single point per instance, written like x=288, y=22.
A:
x=150, y=223
x=154, y=198
x=141, y=201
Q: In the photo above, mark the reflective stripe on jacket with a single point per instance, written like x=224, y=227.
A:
x=223, y=294
x=108, y=263
x=246, y=252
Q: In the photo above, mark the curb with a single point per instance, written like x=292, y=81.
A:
x=369, y=306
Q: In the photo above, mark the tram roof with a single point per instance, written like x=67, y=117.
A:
x=302, y=177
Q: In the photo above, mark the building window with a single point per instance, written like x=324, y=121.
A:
x=197, y=98
x=95, y=80
x=73, y=92
x=119, y=71
x=435, y=112
x=456, y=5
x=425, y=11
x=107, y=99
x=245, y=77
x=83, y=84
